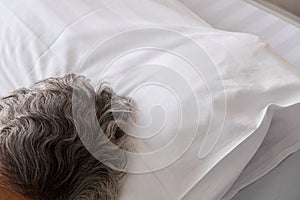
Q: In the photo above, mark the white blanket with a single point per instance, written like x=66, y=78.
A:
x=205, y=98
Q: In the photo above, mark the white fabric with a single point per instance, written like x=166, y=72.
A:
x=190, y=83
x=248, y=17
x=284, y=37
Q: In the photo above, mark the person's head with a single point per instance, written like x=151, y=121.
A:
x=41, y=153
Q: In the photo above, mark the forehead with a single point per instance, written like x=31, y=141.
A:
x=7, y=194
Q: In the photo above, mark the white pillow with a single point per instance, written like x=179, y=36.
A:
x=205, y=98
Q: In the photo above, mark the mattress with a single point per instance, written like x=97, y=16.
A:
x=237, y=15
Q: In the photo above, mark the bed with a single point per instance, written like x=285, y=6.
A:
x=284, y=36
x=154, y=45
x=243, y=16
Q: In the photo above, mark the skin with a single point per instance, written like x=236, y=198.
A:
x=6, y=194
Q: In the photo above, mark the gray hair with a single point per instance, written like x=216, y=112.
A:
x=41, y=154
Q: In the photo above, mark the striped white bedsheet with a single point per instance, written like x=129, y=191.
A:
x=239, y=15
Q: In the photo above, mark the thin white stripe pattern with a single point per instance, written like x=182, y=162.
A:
x=238, y=15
